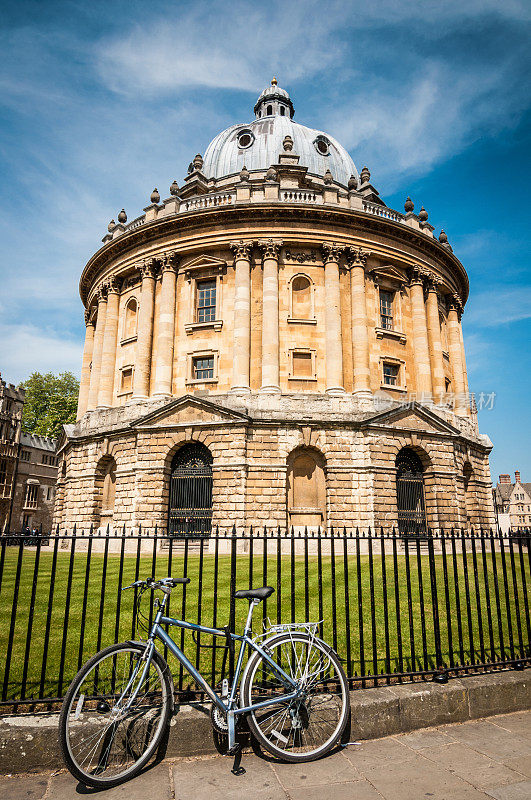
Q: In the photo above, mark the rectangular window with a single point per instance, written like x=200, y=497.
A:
x=386, y=310
x=127, y=380
x=206, y=301
x=25, y=455
x=391, y=374
x=32, y=490
x=203, y=368
x=302, y=365
x=3, y=471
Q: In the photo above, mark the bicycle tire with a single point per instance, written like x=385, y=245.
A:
x=252, y=691
x=69, y=712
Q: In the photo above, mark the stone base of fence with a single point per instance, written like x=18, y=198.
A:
x=29, y=742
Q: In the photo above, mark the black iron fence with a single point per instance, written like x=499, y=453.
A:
x=395, y=607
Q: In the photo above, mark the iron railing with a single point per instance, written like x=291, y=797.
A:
x=396, y=607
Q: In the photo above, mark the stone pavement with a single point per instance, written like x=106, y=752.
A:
x=475, y=760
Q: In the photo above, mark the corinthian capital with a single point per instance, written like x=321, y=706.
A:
x=331, y=252
x=356, y=256
x=113, y=285
x=148, y=268
x=101, y=293
x=242, y=249
x=270, y=247
x=456, y=304
x=169, y=261
x=418, y=275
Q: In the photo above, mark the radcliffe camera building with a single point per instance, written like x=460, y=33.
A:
x=272, y=345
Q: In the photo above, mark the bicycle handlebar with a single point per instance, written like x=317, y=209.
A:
x=163, y=583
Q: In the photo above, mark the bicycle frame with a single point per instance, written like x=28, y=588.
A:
x=229, y=708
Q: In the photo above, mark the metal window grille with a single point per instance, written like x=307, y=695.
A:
x=203, y=368
x=386, y=310
x=206, y=301
x=390, y=374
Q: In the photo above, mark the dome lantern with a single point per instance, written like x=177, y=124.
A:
x=274, y=101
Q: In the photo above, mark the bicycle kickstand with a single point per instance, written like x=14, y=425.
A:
x=236, y=751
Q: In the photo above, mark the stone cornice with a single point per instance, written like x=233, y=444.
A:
x=211, y=220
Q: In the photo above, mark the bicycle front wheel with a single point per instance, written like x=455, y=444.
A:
x=115, y=715
x=307, y=727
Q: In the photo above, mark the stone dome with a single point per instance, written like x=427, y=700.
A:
x=257, y=145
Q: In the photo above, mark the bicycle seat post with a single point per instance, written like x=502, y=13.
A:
x=249, y=623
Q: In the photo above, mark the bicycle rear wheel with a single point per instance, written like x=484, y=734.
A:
x=102, y=743
x=308, y=727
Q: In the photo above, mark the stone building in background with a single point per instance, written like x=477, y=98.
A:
x=513, y=502
x=28, y=469
x=11, y=404
x=271, y=344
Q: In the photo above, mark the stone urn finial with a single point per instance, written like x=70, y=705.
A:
x=244, y=174
x=365, y=175
x=328, y=178
x=198, y=162
x=155, y=196
x=423, y=214
x=287, y=143
x=409, y=205
x=174, y=189
x=352, y=183
x=122, y=216
x=271, y=174
x=443, y=238
x=111, y=226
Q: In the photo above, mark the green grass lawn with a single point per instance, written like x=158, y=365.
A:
x=374, y=646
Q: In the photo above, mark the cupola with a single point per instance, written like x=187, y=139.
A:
x=274, y=101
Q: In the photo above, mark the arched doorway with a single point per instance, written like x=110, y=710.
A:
x=410, y=492
x=190, y=503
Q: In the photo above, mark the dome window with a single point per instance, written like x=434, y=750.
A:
x=282, y=111
x=245, y=139
x=322, y=145
x=269, y=111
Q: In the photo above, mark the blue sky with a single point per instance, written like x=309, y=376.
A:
x=101, y=102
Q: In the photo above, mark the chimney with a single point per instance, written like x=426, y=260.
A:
x=505, y=478
x=516, y=476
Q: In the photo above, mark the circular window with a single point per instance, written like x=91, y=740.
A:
x=322, y=145
x=245, y=139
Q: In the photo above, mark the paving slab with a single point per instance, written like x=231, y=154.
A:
x=419, y=778
x=354, y=790
x=519, y=722
x=335, y=768
x=518, y=791
x=152, y=783
x=212, y=779
x=520, y=764
x=491, y=740
x=378, y=752
x=429, y=737
x=23, y=787
x=476, y=768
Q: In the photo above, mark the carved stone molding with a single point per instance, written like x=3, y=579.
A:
x=301, y=257
x=242, y=249
x=331, y=252
x=270, y=248
x=114, y=285
x=169, y=261
x=148, y=268
x=101, y=293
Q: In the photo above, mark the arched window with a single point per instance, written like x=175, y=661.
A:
x=410, y=492
x=301, y=297
x=282, y=111
x=190, y=501
x=306, y=488
x=269, y=110
x=131, y=310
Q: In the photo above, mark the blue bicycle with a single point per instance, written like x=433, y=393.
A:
x=293, y=692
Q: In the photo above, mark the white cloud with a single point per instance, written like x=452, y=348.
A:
x=499, y=306
x=26, y=348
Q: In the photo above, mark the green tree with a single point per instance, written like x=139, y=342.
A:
x=51, y=402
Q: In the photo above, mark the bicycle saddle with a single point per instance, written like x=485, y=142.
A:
x=255, y=594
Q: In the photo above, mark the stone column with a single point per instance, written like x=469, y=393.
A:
x=96, y=351
x=420, y=336
x=435, y=342
x=357, y=259
x=242, y=317
x=108, y=351
x=334, y=348
x=270, y=340
x=84, y=384
x=145, y=332
x=463, y=359
x=166, y=335
x=454, y=347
